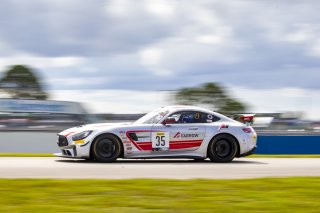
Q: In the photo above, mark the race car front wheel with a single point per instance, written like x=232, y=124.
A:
x=106, y=148
x=222, y=149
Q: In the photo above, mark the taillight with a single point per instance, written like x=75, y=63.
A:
x=247, y=130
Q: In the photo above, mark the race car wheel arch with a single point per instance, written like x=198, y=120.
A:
x=237, y=142
x=230, y=145
x=112, y=137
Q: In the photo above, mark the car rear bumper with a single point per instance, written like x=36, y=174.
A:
x=250, y=152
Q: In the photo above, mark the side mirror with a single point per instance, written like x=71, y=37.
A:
x=169, y=120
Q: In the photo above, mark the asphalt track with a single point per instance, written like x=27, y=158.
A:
x=52, y=167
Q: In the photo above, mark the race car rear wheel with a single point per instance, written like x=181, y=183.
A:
x=106, y=148
x=222, y=149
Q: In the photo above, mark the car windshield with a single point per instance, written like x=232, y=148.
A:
x=152, y=117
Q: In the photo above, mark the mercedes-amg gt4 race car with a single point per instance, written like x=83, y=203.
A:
x=167, y=132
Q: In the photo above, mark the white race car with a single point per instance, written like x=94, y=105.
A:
x=168, y=132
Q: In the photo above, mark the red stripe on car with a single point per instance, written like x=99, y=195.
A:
x=147, y=146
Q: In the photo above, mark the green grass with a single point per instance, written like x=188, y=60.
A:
x=26, y=155
x=145, y=195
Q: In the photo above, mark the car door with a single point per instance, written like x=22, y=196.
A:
x=186, y=133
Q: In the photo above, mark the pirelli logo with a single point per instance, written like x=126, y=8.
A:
x=160, y=134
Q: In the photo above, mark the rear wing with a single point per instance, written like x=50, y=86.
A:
x=244, y=118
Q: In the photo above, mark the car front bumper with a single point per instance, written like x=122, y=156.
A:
x=73, y=149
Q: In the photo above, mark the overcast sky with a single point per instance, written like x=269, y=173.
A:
x=266, y=52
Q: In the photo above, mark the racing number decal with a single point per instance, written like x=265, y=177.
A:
x=160, y=140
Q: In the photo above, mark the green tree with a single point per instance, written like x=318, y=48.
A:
x=212, y=95
x=19, y=81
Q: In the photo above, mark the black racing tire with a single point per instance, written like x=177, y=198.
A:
x=222, y=149
x=106, y=148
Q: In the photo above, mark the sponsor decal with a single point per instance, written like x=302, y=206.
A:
x=122, y=135
x=79, y=142
x=175, y=145
x=177, y=135
x=183, y=135
x=223, y=126
x=160, y=141
x=160, y=133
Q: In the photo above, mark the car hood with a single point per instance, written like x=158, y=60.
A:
x=96, y=126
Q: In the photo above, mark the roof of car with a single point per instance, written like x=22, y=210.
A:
x=186, y=107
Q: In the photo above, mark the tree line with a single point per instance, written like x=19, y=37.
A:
x=21, y=82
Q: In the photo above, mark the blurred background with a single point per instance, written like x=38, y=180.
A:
x=66, y=63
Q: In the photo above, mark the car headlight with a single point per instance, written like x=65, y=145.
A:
x=81, y=135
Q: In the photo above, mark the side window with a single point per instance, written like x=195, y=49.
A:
x=209, y=118
x=192, y=117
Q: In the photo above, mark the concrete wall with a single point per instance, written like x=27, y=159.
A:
x=28, y=142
